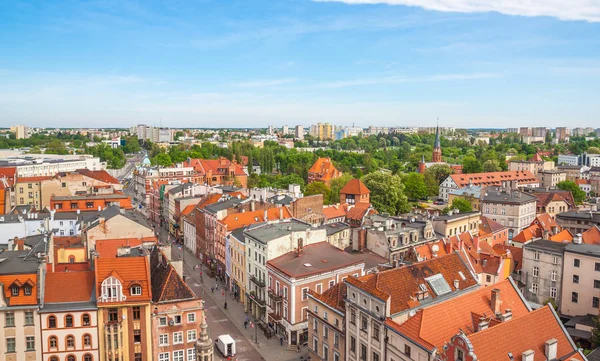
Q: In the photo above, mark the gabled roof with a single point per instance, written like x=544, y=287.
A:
x=187, y=210
x=359, y=211
x=545, y=222
x=527, y=234
x=493, y=178
x=355, y=186
x=216, y=166
x=209, y=199
x=333, y=297
x=426, y=251
x=591, y=236
x=240, y=220
x=516, y=254
x=528, y=332
x=402, y=284
x=488, y=227
x=544, y=197
x=167, y=285
x=130, y=270
x=324, y=168
x=32, y=179
x=100, y=175
x=562, y=236
x=64, y=287
x=335, y=211
x=436, y=324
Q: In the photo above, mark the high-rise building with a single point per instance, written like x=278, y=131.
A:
x=284, y=130
x=21, y=132
x=299, y=132
x=562, y=134
x=539, y=132
x=322, y=131
x=525, y=131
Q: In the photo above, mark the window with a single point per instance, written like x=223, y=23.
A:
x=460, y=356
x=595, y=302
x=15, y=290
x=70, y=341
x=191, y=354
x=304, y=294
x=553, y=276
x=363, y=322
x=191, y=317
x=363, y=351
x=9, y=319
x=70, y=358
x=53, y=342
x=163, y=356
x=112, y=290
x=315, y=345
x=162, y=321
x=597, y=266
x=574, y=297
x=331, y=283
x=536, y=271
x=336, y=356
x=534, y=288
x=375, y=331
x=553, y=292
x=407, y=350
x=325, y=315
x=10, y=345
x=113, y=315
x=596, y=283
x=575, y=278
x=177, y=337
x=177, y=319
x=137, y=336
x=318, y=288
x=136, y=290
x=89, y=204
x=336, y=339
x=555, y=259
x=191, y=336
x=325, y=332
x=137, y=356
x=87, y=340
x=576, y=262
x=536, y=256
x=353, y=317
x=315, y=324
x=375, y=356
x=352, y=344
x=30, y=343
x=85, y=319
x=136, y=312
x=488, y=278
x=68, y=321
x=163, y=339
x=27, y=290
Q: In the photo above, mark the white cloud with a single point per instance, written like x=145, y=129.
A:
x=397, y=79
x=588, y=10
x=264, y=82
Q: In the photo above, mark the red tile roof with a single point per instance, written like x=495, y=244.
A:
x=528, y=332
x=355, y=186
x=582, y=181
x=402, y=284
x=333, y=297
x=108, y=248
x=358, y=212
x=591, y=236
x=563, y=236
x=434, y=325
x=8, y=172
x=100, y=175
x=425, y=251
x=32, y=179
x=208, y=199
x=129, y=271
x=488, y=227
x=544, y=198
x=324, y=170
x=537, y=158
x=528, y=234
x=545, y=222
x=515, y=253
x=335, y=211
x=216, y=166
x=239, y=220
x=167, y=284
x=187, y=210
x=493, y=178
x=62, y=287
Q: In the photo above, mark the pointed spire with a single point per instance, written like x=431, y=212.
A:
x=437, y=135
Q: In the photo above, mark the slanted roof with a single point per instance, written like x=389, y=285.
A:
x=544, y=197
x=563, y=236
x=355, y=186
x=129, y=270
x=239, y=220
x=495, y=194
x=332, y=297
x=488, y=227
x=591, y=236
x=493, y=178
x=528, y=332
x=324, y=168
x=167, y=285
x=402, y=284
x=187, y=210
x=100, y=175
x=66, y=287
x=516, y=254
x=435, y=325
x=335, y=211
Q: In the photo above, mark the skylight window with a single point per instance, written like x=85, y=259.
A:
x=307, y=265
x=462, y=275
x=438, y=284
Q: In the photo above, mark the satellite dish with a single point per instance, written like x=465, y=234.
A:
x=171, y=322
x=435, y=248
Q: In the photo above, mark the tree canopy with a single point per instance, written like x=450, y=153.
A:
x=578, y=194
x=387, y=192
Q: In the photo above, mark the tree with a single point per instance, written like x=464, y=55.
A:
x=132, y=145
x=162, y=159
x=462, y=205
x=35, y=150
x=387, y=192
x=285, y=181
x=336, y=186
x=317, y=188
x=471, y=165
x=491, y=165
x=593, y=150
x=578, y=194
x=435, y=175
x=595, y=339
x=414, y=186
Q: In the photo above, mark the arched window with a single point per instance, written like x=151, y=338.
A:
x=53, y=342
x=51, y=321
x=71, y=259
x=135, y=290
x=68, y=321
x=85, y=319
x=53, y=358
x=70, y=358
x=112, y=290
x=87, y=340
x=87, y=357
x=70, y=341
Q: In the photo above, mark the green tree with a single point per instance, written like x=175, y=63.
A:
x=285, y=181
x=578, y=194
x=471, y=165
x=336, y=186
x=462, y=205
x=595, y=339
x=414, y=186
x=317, y=188
x=179, y=134
x=35, y=150
x=593, y=150
x=435, y=175
x=132, y=145
x=162, y=159
x=491, y=165
x=387, y=192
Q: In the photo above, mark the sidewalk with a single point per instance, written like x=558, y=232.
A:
x=270, y=349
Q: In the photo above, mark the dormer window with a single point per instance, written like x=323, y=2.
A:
x=112, y=290
x=14, y=290
x=136, y=290
x=27, y=290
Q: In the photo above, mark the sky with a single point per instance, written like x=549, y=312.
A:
x=253, y=63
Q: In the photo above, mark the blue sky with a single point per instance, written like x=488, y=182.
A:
x=250, y=63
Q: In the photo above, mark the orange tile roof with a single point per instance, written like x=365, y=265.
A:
x=107, y=248
x=324, y=169
x=554, y=195
x=434, y=325
x=238, y=194
x=537, y=158
x=333, y=297
x=545, y=221
x=591, y=236
x=8, y=172
x=239, y=220
x=358, y=212
x=355, y=186
x=493, y=178
x=21, y=279
x=528, y=234
x=129, y=270
x=582, y=181
x=528, y=332
x=515, y=253
x=402, y=284
x=488, y=227
x=335, y=211
x=425, y=251
x=187, y=210
x=208, y=200
x=100, y=175
x=216, y=166
x=563, y=236
x=32, y=179
x=82, y=285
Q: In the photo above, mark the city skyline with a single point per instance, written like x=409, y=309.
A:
x=367, y=62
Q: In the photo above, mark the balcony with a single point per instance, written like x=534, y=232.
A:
x=257, y=300
x=274, y=295
x=257, y=281
x=274, y=317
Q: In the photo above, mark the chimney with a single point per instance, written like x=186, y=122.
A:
x=527, y=355
x=456, y=285
x=483, y=324
x=495, y=301
x=78, y=211
x=300, y=246
x=550, y=349
x=252, y=206
x=507, y=315
x=578, y=238
x=281, y=212
x=266, y=218
x=448, y=246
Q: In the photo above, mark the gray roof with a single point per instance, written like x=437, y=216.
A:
x=281, y=199
x=114, y=211
x=180, y=188
x=592, y=250
x=267, y=232
x=16, y=262
x=447, y=217
x=220, y=206
x=239, y=234
x=588, y=216
x=333, y=228
x=594, y=355
x=546, y=245
x=472, y=190
x=497, y=195
x=9, y=218
x=68, y=306
x=89, y=196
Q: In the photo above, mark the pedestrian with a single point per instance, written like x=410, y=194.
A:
x=246, y=324
x=216, y=286
x=223, y=293
x=225, y=305
x=281, y=340
x=212, y=289
x=298, y=349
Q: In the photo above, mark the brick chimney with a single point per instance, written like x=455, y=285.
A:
x=299, y=250
x=495, y=301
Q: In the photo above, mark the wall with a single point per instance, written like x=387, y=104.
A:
x=61, y=332
x=585, y=288
x=547, y=263
x=330, y=318
x=169, y=310
x=19, y=333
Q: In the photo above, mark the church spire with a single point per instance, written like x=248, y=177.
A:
x=204, y=345
x=437, y=136
x=437, y=148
